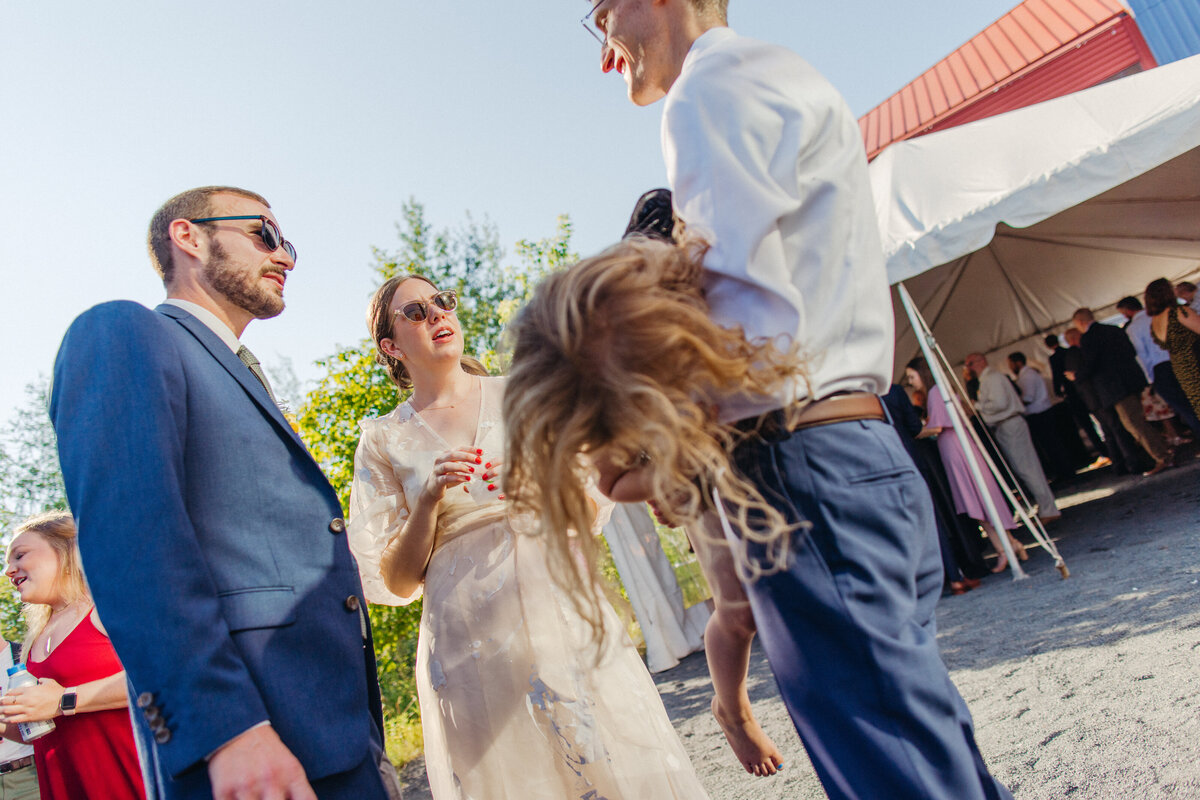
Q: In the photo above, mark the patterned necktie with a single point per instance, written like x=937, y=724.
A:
x=250, y=361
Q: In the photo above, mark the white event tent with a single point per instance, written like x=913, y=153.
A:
x=1001, y=228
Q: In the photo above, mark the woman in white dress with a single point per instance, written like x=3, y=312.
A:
x=516, y=701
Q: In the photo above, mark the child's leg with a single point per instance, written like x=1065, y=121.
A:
x=727, y=641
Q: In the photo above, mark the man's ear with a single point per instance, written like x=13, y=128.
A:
x=187, y=237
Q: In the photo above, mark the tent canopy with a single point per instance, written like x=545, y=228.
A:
x=1002, y=228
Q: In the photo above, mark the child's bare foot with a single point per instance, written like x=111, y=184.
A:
x=750, y=742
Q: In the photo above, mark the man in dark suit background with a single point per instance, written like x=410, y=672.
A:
x=1067, y=391
x=214, y=546
x=1110, y=364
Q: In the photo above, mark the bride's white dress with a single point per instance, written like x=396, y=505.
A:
x=513, y=702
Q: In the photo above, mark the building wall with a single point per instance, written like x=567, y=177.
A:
x=1171, y=27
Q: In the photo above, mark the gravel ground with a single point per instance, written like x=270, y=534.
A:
x=1083, y=688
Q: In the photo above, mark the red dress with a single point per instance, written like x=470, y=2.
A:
x=89, y=755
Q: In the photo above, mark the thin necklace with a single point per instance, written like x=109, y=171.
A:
x=50, y=634
x=439, y=408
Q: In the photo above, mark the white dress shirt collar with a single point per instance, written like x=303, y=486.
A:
x=210, y=320
x=710, y=37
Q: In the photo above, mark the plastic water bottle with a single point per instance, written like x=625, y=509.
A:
x=19, y=676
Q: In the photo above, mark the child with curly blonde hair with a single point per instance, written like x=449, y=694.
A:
x=614, y=359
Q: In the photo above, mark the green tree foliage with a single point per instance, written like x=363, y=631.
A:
x=468, y=259
x=30, y=482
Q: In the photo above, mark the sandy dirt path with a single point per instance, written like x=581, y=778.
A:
x=1080, y=688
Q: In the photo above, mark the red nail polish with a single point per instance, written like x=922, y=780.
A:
x=500, y=497
x=491, y=487
x=479, y=452
x=470, y=469
x=489, y=464
x=478, y=460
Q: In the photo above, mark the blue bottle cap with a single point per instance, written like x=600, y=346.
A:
x=15, y=668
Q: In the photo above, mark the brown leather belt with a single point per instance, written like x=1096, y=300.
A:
x=843, y=407
x=16, y=764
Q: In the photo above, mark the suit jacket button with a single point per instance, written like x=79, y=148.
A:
x=144, y=700
x=338, y=525
x=352, y=603
x=152, y=715
x=162, y=736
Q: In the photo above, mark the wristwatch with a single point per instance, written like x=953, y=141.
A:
x=68, y=702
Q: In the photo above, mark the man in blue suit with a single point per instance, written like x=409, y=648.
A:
x=214, y=546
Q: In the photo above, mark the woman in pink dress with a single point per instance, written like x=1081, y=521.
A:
x=90, y=753
x=967, y=497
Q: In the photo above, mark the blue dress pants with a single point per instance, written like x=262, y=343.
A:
x=848, y=622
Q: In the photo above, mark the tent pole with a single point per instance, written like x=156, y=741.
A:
x=928, y=344
x=1019, y=501
x=936, y=358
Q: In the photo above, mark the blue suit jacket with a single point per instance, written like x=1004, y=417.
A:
x=212, y=542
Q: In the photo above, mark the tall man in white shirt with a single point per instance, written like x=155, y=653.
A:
x=1002, y=410
x=766, y=162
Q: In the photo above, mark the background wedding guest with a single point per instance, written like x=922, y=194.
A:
x=1127, y=455
x=1186, y=292
x=1177, y=329
x=1076, y=414
x=1110, y=363
x=1059, y=459
x=18, y=775
x=907, y=421
x=90, y=754
x=1001, y=408
x=1155, y=360
x=968, y=499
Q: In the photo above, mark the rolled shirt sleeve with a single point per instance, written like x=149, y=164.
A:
x=766, y=163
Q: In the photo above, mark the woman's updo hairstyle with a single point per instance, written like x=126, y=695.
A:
x=380, y=323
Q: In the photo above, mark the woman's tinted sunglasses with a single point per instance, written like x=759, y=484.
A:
x=418, y=310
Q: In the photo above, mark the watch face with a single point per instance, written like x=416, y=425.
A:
x=68, y=701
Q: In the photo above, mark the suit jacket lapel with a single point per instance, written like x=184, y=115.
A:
x=234, y=366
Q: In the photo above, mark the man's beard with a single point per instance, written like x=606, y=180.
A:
x=241, y=287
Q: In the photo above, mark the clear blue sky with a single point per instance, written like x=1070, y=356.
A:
x=337, y=113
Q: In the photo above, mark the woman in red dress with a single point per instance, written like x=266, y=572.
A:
x=90, y=754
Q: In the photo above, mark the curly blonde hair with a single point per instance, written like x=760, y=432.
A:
x=619, y=351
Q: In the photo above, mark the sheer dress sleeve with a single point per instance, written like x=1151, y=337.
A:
x=378, y=510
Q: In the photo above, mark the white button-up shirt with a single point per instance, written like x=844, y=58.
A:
x=1149, y=354
x=766, y=162
x=1033, y=390
x=998, y=400
x=210, y=320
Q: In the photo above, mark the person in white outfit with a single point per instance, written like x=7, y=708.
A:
x=1002, y=410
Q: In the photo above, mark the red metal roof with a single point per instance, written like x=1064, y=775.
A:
x=1097, y=38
